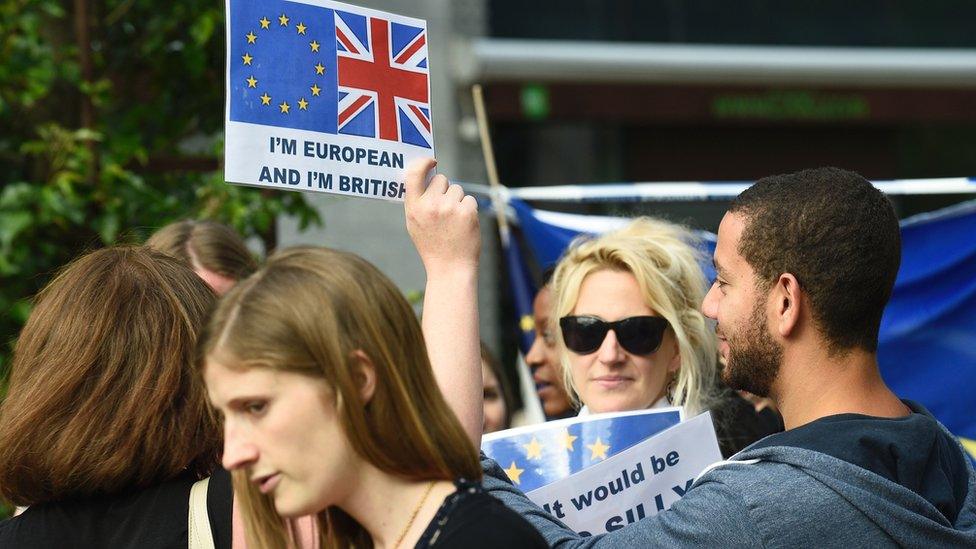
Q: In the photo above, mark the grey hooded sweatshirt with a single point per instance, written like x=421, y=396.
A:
x=842, y=481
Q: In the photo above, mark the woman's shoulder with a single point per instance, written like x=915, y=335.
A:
x=469, y=517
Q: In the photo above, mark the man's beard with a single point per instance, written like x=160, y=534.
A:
x=754, y=357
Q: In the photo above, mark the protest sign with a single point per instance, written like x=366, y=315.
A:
x=537, y=455
x=636, y=483
x=326, y=97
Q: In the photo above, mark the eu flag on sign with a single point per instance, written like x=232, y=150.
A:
x=538, y=455
x=327, y=70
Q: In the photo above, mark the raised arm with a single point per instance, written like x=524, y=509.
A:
x=443, y=224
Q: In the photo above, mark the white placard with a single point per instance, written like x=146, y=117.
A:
x=636, y=483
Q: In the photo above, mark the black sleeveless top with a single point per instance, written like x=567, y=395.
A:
x=470, y=518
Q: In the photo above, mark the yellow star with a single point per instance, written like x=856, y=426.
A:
x=314, y=45
x=265, y=22
x=283, y=20
x=247, y=58
x=284, y=106
x=252, y=82
x=251, y=37
x=302, y=104
x=599, y=449
x=969, y=445
x=319, y=69
x=315, y=90
x=566, y=441
x=301, y=28
x=533, y=450
x=526, y=323
x=514, y=472
x=265, y=99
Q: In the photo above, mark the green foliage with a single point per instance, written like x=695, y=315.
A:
x=91, y=162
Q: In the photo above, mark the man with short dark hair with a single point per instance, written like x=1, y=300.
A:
x=805, y=265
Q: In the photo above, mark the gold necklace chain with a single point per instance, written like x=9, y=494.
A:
x=413, y=516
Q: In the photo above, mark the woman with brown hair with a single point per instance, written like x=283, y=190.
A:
x=214, y=251
x=498, y=400
x=330, y=406
x=319, y=368
x=105, y=427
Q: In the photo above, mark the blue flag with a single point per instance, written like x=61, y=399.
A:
x=294, y=65
x=540, y=454
x=523, y=292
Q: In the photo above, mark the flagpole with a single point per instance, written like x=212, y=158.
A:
x=532, y=406
x=498, y=201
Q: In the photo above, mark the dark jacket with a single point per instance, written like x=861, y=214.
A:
x=153, y=518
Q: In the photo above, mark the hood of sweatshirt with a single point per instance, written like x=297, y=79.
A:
x=908, y=475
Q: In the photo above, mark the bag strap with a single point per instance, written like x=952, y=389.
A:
x=198, y=532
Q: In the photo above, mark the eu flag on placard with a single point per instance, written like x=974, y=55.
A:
x=537, y=455
x=314, y=68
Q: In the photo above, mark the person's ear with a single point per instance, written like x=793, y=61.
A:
x=675, y=362
x=788, y=302
x=364, y=374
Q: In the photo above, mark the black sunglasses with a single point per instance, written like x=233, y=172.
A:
x=639, y=335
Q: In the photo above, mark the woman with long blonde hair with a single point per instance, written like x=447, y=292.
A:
x=631, y=332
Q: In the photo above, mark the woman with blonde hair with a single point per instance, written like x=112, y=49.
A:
x=631, y=333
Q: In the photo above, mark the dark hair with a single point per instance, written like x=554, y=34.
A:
x=207, y=244
x=547, y=276
x=103, y=397
x=838, y=235
x=504, y=387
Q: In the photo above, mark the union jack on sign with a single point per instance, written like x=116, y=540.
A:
x=382, y=77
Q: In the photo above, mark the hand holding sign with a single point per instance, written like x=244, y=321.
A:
x=441, y=220
x=443, y=224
